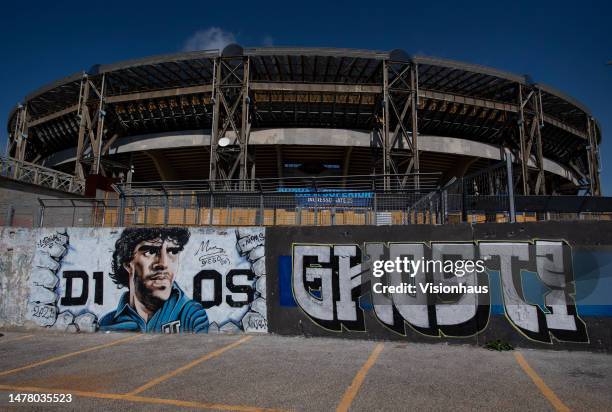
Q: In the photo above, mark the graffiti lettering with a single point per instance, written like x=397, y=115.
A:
x=46, y=312
x=257, y=323
x=250, y=241
x=326, y=284
x=217, y=293
x=327, y=281
x=81, y=299
x=68, y=299
x=552, y=263
x=212, y=295
x=43, y=315
x=48, y=241
x=246, y=289
x=99, y=287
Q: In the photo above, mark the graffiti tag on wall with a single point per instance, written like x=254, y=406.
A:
x=329, y=283
x=168, y=280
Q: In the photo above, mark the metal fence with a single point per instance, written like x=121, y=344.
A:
x=359, y=200
x=80, y=212
x=31, y=173
x=486, y=196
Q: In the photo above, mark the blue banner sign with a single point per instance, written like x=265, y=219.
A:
x=307, y=197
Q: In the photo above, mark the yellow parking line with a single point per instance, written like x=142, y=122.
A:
x=140, y=399
x=546, y=391
x=68, y=355
x=188, y=366
x=16, y=339
x=352, y=390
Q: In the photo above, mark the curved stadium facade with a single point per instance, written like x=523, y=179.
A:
x=288, y=112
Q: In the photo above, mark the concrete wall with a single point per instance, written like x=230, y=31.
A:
x=550, y=284
x=17, y=247
x=190, y=280
x=19, y=205
x=304, y=136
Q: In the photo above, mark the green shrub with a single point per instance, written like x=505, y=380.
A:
x=498, y=345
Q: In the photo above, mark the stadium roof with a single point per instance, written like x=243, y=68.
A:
x=302, y=87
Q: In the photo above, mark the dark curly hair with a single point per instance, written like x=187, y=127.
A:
x=130, y=237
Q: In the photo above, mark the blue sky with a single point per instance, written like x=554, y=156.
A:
x=560, y=43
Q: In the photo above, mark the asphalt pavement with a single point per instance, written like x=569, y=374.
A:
x=113, y=372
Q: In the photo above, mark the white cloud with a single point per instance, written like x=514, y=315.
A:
x=211, y=38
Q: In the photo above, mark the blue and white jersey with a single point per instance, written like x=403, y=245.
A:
x=177, y=315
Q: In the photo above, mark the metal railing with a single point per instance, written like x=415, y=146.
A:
x=486, y=196
x=406, y=183
x=246, y=209
x=377, y=199
x=42, y=176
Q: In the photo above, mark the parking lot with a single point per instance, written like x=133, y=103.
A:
x=110, y=371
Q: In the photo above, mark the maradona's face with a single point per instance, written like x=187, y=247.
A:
x=152, y=271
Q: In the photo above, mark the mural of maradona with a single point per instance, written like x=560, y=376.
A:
x=149, y=279
x=146, y=261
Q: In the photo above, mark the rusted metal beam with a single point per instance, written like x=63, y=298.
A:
x=540, y=184
x=123, y=98
x=214, y=138
x=81, y=108
x=245, y=127
x=109, y=143
x=231, y=120
x=315, y=88
x=101, y=114
x=563, y=126
x=530, y=122
x=55, y=115
x=414, y=96
x=524, y=156
x=593, y=159
x=385, y=139
x=400, y=87
x=180, y=91
x=20, y=134
x=470, y=101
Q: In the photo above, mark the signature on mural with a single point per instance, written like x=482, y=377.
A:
x=209, y=254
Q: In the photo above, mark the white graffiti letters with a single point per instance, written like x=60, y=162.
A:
x=536, y=288
x=327, y=283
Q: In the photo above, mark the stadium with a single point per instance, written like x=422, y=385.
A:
x=282, y=119
x=321, y=218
